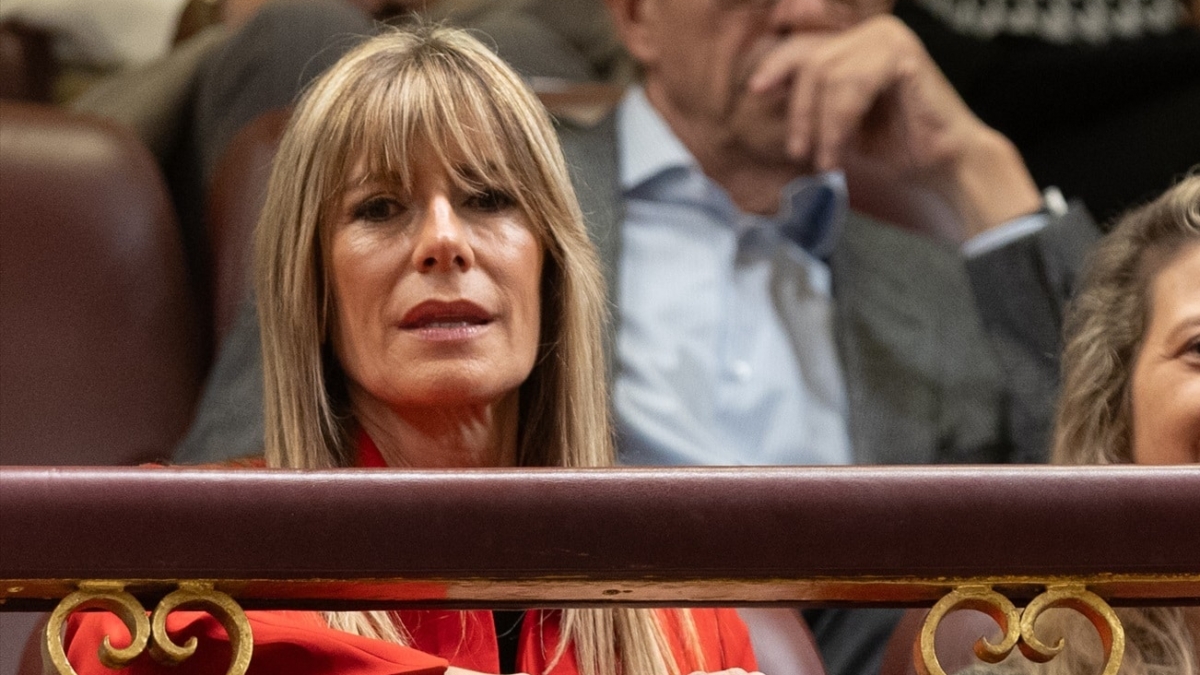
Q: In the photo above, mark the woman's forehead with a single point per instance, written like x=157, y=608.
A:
x=384, y=162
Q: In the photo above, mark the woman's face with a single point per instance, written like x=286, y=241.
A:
x=1166, y=375
x=436, y=291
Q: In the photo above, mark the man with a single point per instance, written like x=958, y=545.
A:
x=759, y=323
x=761, y=320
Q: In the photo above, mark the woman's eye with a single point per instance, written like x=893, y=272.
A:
x=492, y=199
x=1191, y=352
x=1193, y=348
x=377, y=209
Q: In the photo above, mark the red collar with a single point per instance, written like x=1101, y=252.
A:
x=368, y=456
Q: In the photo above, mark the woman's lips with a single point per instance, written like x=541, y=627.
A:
x=446, y=320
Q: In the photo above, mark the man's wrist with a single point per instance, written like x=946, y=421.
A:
x=992, y=186
x=1054, y=205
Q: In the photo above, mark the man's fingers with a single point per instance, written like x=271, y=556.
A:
x=849, y=93
x=779, y=65
x=831, y=81
x=790, y=65
x=802, y=104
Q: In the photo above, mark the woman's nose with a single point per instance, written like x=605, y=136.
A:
x=442, y=244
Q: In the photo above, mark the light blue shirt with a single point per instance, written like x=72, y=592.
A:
x=725, y=349
x=708, y=371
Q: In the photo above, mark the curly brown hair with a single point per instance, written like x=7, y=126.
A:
x=1107, y=322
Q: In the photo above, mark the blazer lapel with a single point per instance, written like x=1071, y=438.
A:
x=883, y=337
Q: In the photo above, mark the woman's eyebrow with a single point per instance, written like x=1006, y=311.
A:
x=1184, y=329
x=370, y=181
x=469, y=173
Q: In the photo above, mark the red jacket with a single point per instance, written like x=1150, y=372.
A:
x=300, y=643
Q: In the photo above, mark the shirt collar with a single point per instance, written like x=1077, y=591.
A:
x=812, y=208
x=648, y=147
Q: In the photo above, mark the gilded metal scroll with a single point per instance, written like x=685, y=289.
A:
x=149, y=631
x=983, y=599
x=1019, y=627
x=198, y=595
x=1092, y=606
x=99, y=595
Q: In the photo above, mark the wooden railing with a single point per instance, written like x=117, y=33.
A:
x=992, y=538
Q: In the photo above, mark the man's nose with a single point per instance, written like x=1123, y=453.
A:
x=789, y=15
x=442, y=243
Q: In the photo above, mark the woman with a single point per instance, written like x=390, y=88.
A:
x=1131, y=395
x=1131, y=388
x=1118, y=406
x=429, y=298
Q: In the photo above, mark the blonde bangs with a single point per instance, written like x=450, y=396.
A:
x=438, y=100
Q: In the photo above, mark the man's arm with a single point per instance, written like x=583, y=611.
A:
x=1021, y=290
x=870, y=100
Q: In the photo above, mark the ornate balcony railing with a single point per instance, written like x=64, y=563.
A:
x=988, y=538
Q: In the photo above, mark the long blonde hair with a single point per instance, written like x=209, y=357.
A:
x=1103, y=334
x=441, y=88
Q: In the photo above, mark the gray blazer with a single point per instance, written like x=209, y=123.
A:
x=945, y=362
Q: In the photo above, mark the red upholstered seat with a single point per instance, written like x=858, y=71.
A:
x=235, y=198
x=101, y=359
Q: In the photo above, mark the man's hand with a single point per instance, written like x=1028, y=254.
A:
x=871, y=100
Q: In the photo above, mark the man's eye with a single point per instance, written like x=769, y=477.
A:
x=377, y=209
x=491, y=199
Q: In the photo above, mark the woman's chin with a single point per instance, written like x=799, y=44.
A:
x=450, y=390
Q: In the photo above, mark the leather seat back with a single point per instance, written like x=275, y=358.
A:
x=101, y=357
x=235, y=198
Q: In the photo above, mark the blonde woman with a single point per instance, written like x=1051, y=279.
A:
x=428, y=297
x=1131, y=395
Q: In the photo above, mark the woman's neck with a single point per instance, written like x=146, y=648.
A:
x=482, y=435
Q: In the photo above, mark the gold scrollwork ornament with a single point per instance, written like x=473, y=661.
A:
x=149, y=631
x=200, y=595
x=1092, y=606
x=977, y=597
x=1018, y=627
x=110, y=596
